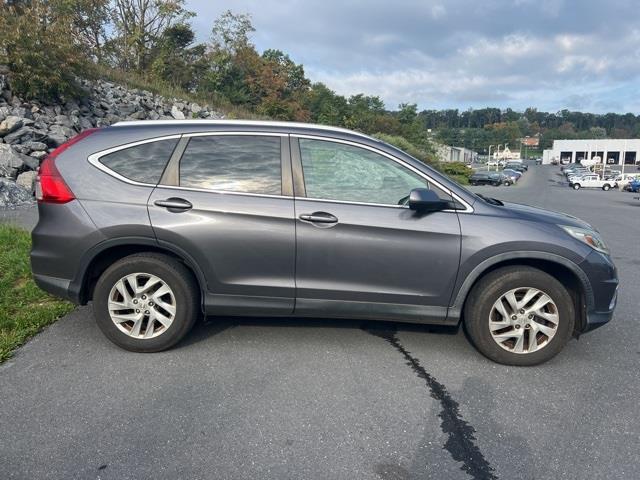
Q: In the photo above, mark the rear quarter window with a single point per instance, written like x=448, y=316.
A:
x=141, y=163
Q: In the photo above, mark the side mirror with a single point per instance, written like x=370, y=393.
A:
x=425, y=200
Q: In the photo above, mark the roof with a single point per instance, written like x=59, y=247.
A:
x=251, y=123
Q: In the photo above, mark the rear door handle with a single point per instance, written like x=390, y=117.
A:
x=318, y=217
x=174, y=204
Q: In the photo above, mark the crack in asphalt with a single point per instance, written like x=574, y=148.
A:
x=461, y=439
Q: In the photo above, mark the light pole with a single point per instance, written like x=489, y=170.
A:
x=498, y=155
x=489, y=156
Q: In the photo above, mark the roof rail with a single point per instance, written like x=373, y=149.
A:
x=257, y=123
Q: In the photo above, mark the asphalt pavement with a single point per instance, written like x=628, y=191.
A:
x=328, y=399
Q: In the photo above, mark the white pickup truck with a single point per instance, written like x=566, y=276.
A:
x=590, y=181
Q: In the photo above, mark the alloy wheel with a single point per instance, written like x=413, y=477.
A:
x=523, y=320
x=142, y=305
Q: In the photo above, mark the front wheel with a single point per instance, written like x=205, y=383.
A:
x=507, y=183
x=519, y=316
x=146, y=302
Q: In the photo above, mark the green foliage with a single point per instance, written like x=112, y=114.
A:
x=176, y=61
x=457, y=171
x=424, y=155
x=138, y=27
x=24, y=308
x=40, y=47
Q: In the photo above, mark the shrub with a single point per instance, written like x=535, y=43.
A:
x=408, y=147
x=39, y=48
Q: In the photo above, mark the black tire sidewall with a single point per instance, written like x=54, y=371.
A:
x=174, y=275
x=490, y=288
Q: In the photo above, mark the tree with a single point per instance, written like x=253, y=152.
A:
x=139, y=25
x=230, y=32
x=175, y=61
x=89, y=20
x=41, y=49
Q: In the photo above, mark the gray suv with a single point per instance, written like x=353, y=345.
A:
x=161, y=222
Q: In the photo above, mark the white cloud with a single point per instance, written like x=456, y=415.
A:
x=551, y=54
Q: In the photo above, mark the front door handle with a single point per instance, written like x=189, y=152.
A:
x=318, y=217
x=174, y=204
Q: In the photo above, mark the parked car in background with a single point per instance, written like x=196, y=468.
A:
x=576, y=171
x=492, y=163
x=623, y=179
x=512, y=174
x=159, y=223
x=633, y=186
x=590, y=181
x=490, y=178
x=518, y=167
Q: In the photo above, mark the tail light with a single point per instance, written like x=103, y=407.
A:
x=50, y=186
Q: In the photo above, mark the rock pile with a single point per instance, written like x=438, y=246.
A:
x=29, y=130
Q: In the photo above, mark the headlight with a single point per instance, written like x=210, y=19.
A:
x=588, y=236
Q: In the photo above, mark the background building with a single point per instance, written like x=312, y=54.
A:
x=611, y=151
x=445, y=153
x=506, y=154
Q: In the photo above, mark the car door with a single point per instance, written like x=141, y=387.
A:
x=359, y=252
x=225, y=202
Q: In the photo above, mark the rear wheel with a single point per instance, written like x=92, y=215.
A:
x=576, y=186
x=606, y=187
x=507, y=183
x=146, y=302
x=519, y=316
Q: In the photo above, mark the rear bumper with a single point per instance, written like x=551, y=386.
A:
x=59, y=287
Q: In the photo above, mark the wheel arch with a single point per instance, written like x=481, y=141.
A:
x=564, y=270
x=98, y=259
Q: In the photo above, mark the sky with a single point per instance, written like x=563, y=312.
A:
x=549, y=54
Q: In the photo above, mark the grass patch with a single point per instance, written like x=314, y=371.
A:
x=24, y=308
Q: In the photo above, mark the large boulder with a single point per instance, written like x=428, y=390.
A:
x=19, y=135
x=11, y=162
x=10, y=124
x=27, y=180
x=35, y=146
x=12, y=194
x=177, y=113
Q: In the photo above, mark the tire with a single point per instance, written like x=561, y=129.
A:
x=507, y=183
x=479, y=309
x=183, y=298
x=576, y=186
x=606, y=187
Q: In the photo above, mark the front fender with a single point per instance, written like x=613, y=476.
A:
x=460, y=293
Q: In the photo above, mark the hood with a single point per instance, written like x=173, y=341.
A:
x=536, y=214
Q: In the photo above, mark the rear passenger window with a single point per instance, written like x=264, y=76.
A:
x=142, y=163
x=234, y=163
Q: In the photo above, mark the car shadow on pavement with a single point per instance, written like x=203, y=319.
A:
x=213, y=326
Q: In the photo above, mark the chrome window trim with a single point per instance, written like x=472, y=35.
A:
x=94, y=158
x=224, y=192
x=468, y=208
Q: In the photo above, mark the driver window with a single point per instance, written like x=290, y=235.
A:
x=336, y=171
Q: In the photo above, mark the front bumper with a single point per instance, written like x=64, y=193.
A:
x=603, y=278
